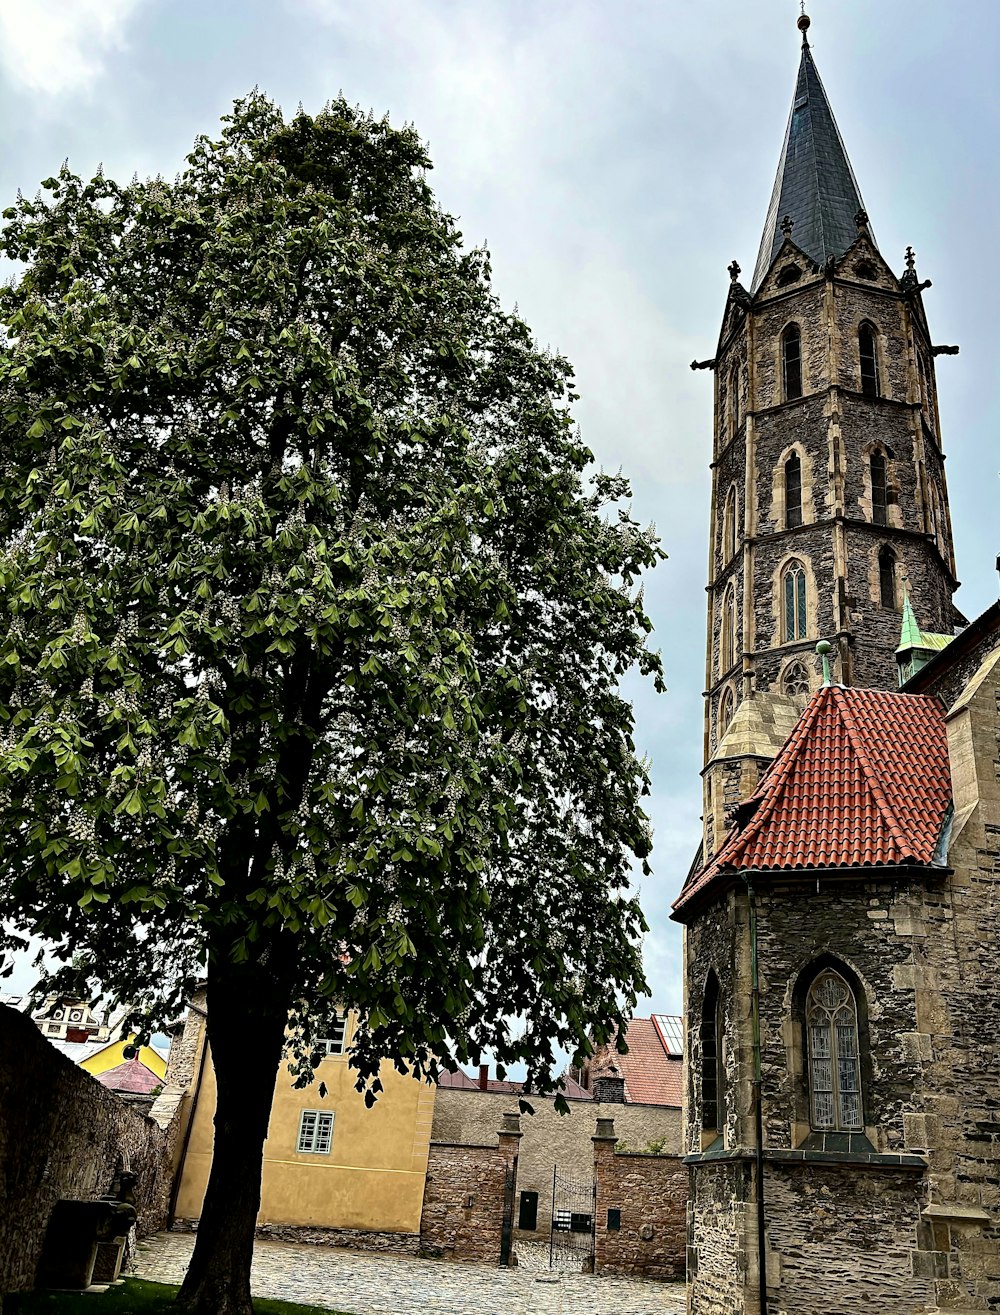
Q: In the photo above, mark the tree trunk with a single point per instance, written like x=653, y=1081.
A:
x=247, y=1017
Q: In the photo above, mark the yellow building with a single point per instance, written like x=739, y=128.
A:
x=101, y=1058
x=329, y=1162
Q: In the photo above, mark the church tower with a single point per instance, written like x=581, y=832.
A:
x=829, y=501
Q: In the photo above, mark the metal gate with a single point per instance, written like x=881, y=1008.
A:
x=571, y=1242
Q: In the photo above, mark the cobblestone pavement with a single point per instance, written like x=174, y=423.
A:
x=364, y=1283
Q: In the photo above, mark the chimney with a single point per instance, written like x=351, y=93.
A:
x=484, y=1077
x=609, y=1088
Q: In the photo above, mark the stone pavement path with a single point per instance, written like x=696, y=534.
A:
x=364, y=1283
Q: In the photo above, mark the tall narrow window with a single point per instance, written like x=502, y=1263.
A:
x=793, y=492
x=887, y=577
x=727, y=639
x=713, y=1073
x=729, y=527
x=794, y=593
x=734, y=401
x=791, y=362
x=727, y=706
x=880, y=488
x=834, y=1061
x=868, y=353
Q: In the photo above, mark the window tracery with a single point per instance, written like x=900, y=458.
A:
x=795, y=679
x=791, y=362
x=868, y=354
x=793, y=590
x=834, y=1055
x=793, y=492
x=880, y=487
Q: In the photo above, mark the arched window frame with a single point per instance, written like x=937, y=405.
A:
x=727, y=709
x=713, y=1069
x=878, y=474
x=793, y=491
x=727, y=635
x=888, y=578
x=729, y=527
x=833, y=1053
x=794, y=601
x=791, y=362
x=871, y=379
x=795, y=678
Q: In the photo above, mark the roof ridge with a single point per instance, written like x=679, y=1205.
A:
x=871, y=778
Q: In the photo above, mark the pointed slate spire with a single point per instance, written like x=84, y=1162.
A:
x=815, y=187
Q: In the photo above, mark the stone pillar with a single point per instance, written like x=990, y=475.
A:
x=509, y=1137
x=605, y=1140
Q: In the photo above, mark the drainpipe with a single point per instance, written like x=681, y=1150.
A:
x=758, y=1105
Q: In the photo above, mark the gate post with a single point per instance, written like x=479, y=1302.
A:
x=605, y=1140
x=509, y=1138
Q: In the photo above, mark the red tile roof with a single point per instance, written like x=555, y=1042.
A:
x=862, y=781
x=652, y=1072
x=132, y=1077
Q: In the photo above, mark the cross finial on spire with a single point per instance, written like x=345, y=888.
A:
x=804, y=23
x=911, y=260
x=734, y=271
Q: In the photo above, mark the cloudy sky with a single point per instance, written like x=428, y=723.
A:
x=616, y=156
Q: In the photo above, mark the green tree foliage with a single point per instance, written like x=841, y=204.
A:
x=313, y=621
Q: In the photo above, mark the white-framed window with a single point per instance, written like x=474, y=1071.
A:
x=315, y=1132
x=333, y=1042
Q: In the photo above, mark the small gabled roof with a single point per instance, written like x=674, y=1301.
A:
x=911, y=636
x=815, y=185
x=132, y=1078
x=862, y=781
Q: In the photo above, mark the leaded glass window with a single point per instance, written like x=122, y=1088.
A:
x=713, y=1080
x=791, y=362
x=793, y=492
x=794, y=589
x=868, y=352
x=834, y=1059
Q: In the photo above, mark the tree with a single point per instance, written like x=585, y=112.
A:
x=314, y=628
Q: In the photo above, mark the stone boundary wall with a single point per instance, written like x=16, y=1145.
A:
x=64, y=1136
x=358, y=1239
x=464, y=1197
x=650, y=1193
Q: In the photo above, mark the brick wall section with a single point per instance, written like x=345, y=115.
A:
x=550, y=1139
x=464, y=1195
x=62, y=1135
x=650, y=1191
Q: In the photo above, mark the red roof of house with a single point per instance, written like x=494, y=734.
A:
x=862, y=781
x=651, y=1069
x=133, y=1078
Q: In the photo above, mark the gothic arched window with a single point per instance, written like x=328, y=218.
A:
x=727, y=706
x=793, y=591
x=868, y=354
x=880, y=488
x=793, y=492
x=734, y=401
x=791, y=362
x=727, y=639
x=713, y=1073
x=834, y=1059
x=729, y=527
x=887, y=577
x=795, y=679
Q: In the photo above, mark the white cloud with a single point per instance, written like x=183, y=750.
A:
x=57, y=47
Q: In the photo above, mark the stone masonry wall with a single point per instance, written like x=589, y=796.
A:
x=464, y=1195
x=62, y=1135
x=717, y=1265
x=649, y=1194
x=550, y=1139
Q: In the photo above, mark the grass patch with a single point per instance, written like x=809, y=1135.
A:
x=136, y=1297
